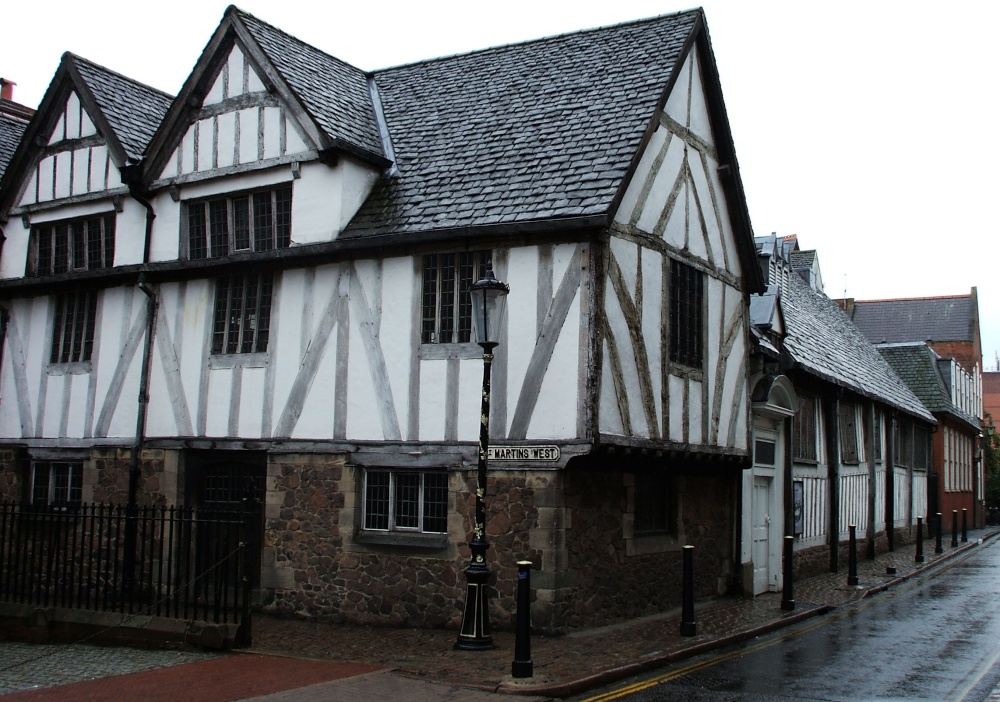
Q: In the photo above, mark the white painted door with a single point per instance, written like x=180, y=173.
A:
x=760, y=532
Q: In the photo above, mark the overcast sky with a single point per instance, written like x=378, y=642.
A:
x=869, y=129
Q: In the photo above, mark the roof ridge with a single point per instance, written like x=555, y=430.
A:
x=244, y=14
x=537, y=40
x=80, y=59
x=915, y=299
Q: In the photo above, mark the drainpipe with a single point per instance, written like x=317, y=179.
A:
x=131, y=176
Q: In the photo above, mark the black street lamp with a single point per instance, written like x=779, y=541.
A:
x=489, y=305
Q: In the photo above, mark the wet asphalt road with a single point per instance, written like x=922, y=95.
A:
x=936, y=637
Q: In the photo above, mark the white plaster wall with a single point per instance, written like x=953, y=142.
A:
x=555, y=414
x=398, y=331
x=653, y=291
x=433, y=377
x=522, y=276
x=14, y=256
x=251, y=405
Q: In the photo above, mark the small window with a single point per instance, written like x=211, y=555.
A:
x=921, y=448
x=76, y=245
x=848, y=433
x=73, y=327
x=411, y=501
x=446, y=305
x=654, y=513
x=242, y=313
x=763, y=452
x=805, y=430
x=57, y=484
x=259, y=221
x=686, y=300
x=904, y=443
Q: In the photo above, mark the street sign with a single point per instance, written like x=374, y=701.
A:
x=522, y=453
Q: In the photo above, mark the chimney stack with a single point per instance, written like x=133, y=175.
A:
x=7, y=89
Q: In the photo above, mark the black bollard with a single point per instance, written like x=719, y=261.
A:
x=688, y=626
x=852, y=557
x=523, y=666
x=965, y=525
x=919, y=558
x=954, y=528
x=787, y=593
x=938, y=548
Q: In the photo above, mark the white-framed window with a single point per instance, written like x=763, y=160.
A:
x=446, y=308
x=257, y=221
x=405, y=501
x=242, y=319
x=57, y=484
x=73, y=327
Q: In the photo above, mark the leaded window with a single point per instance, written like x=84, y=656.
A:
x=242, y=313
x=653, y=504
x=848, y=433
x=686, y=305
x=76, y=245
x=259, y=221
x=446, y=304
x=57, y=484
x=73, y=327
x=402, y=500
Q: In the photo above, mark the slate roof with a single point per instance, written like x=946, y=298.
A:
x=10, y=135
x=802, y=259
x=820, y=339
x=133, y=110
x=534, y=131
x=335, y=94
x=916, y=319
x=917, y=365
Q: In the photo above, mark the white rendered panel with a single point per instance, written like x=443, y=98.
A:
x=677, y=408
x=662, y=187
x=15, y=254
x=611, y=420
x=130, y=229
x=170, y=168
x=251, y=403
x=715, y=322
x=433, y=377
x=227, y=138
x=220, y=388
x=190, y=320
x=87, y=127
x=76, y=422
x=166, y=228
x=31, y=190
x=652, y=277
x=364, y=419
x=99, y=165
x=217, y=93
x=46, y=175
x=79, y=183
x=555, y=415
x=293, y=141
x=470, y=395
x=235, y=72
x=206, y=135
x=114, y=177
x=699, y=122
x=397, y=331
x=187, y=151
x=255, y=85
x=59, y=132
x=676, y=231
x=357, y=181
x=73, y=116
x=646, y=161
x=695, y=414
x=55, y=391
x=701, y=207
x=627, y=355
x=734, y=398
x=703, y=183
x=272, y=132
x=676, y=105
x=316, y=203
x=64, y=172
x=522, y=276
x=248, y=135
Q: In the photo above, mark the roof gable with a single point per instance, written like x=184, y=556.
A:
x=918, y=366
x=327, y=100
x=86, y=105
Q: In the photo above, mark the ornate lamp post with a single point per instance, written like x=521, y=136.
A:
x=489, y=305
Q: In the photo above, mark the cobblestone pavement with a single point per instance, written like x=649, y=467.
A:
x=26, y=666
x=563, y=665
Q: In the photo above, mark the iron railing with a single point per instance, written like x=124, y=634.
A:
x=185, y=564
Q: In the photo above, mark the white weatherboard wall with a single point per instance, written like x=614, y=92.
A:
x=674, y=207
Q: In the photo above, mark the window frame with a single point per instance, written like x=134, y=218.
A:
x=655, y=509
x=72, y=245
x=74, y=327
x=806, y=433
x=228, y=336
x=425, y=524
x=850, y=452
x=73, y=484
x=254, y=221
x=687, y=315
x=445, y=304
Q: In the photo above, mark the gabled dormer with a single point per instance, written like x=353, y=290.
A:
x=258, y=110
x=66, y=180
